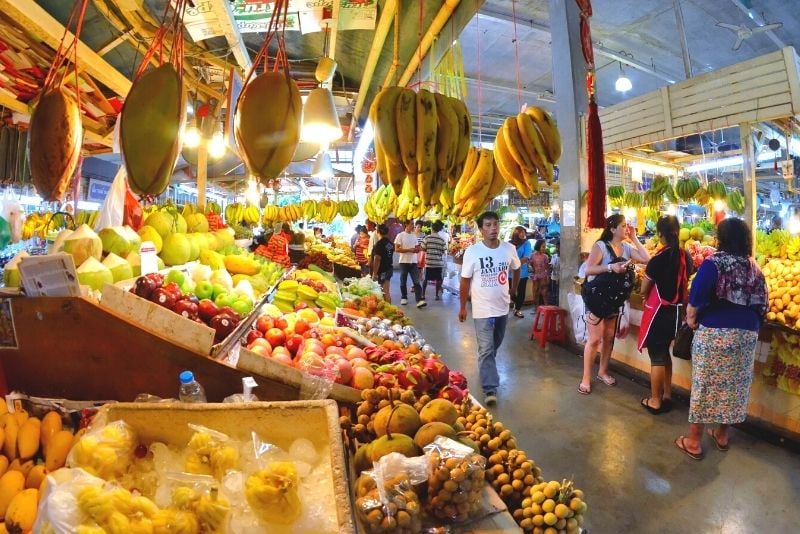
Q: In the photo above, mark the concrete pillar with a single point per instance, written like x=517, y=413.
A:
x=569, y=76
x=749, y=179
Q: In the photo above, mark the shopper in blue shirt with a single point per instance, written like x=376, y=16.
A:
x=519, y=238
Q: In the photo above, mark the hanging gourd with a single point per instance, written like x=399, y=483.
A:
x=269, y=110
x=155, y=110
x=56, y=131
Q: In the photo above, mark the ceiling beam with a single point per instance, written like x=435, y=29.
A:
x=540, y=93
x=438, y=22
x=599, y=49
x=760, y=21
x=38, y=22
x=231, y=32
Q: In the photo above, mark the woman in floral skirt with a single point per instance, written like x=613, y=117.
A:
x=727, y=304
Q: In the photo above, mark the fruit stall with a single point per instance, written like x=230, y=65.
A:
x=746, y=174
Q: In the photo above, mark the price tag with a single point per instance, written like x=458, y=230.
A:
x=148, y=258
x=49, y=276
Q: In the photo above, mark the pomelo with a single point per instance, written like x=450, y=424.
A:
x=176, y=249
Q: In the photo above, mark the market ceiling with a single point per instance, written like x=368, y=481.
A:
x=643, y=34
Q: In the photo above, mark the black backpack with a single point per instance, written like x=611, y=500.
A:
x=605, y=295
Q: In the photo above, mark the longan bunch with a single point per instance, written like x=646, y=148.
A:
x=553, y=507
x=512, y=475
x=372, y=400
x=454, y=485
x=403, y=512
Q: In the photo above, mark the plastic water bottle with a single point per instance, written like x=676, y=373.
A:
x=191, y=390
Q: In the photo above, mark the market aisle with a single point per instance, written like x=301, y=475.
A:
x=624, y=458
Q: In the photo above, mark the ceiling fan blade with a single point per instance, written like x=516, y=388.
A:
x=767, y=27
x=738, y=43
x=728, y=26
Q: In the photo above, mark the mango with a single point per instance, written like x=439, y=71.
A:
x=28, y=438
x=10, y=443
x=35, y=477
x=21, y=513
x=22, y=466
x=57, y=449
x=51, y=423
x=11, y=483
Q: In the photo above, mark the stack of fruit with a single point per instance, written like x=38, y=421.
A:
x=237, y=214
x=32, y=448
x=783, y=362
x=374, y=306
x=526, y=149
x=291, y=293
x=783, y=282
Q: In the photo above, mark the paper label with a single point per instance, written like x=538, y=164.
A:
x=52, y=275
x=148, y=258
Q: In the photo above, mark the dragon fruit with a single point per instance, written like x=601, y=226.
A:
x=453, y=393
x=437, y=371
x=458, y=380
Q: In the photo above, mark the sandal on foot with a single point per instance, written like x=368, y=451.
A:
x=680, y=443
x=607, y=380
x=666, y=405
x=655, y=411
x=584, y=390
x=519, y=314
x=720, y=447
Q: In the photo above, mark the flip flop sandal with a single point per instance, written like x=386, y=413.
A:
x=680, y=444
x=655, y=411
x=519, y=314
x=720, y=447
x=666, y=405
x=607, y=380
x=584, y=390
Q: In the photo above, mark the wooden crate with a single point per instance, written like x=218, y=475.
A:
x=279, y=423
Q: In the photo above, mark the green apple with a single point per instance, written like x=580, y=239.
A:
x=225, y=299
x=218, y=289
x=174, y=275
x=242, y=307
x=204, y=290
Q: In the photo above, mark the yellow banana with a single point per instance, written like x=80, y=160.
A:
x=396, y=175
x=469, y=167
x=498, y=182
x=446, y=134
x=406, y=122
x=549, y=130
x=534, y=145
x=483, y=173
x=426, y=144
x=513, y=141
x=464, y=132
x=380, y=163
x=483, y=176
x=508, y=167
x=382, y=114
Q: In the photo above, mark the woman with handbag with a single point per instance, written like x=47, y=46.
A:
x=727, y=305
x=665, y=289
x=601, y=330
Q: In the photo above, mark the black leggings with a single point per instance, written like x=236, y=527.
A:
x=519, y=298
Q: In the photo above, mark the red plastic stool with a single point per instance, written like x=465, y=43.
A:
x=549, y=325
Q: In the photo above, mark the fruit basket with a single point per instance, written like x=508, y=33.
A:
x=279, y=423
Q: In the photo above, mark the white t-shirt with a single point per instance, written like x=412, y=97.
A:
x=489, y=270
x=406, y=240
x=445, y=236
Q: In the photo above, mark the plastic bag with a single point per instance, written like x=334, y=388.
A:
x=455, y=480
x=271, y=488
x=193, y=500
x=113, y=211
x=210, y=453
x=105, y=451
x=577, y=312
x=13, y=213
x=133, y=215
x=385, y=496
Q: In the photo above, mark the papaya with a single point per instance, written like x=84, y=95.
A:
x=55, y=138
x=150, y=127
x=21, y=513
x=267, y=124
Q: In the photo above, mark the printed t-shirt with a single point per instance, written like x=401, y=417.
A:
x=488, y=268
x=406, y=240
x=384, y=249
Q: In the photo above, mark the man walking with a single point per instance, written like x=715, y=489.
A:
x=435, y=249
x=484, y=278
x=405, y=244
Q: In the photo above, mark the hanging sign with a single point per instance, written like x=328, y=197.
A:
x=305, y=16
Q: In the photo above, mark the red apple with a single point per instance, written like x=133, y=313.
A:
x=275, y=336
x=281, y=323
x=339, y=351
x=264, y=323
x=314, y=345
x=294, y=342
x=260, y=342
x=345, y=371
x=353, y=351
x=164, y=297
x=252, y=335
x=282, y=357
x=362, y=378
x=301, y=326
x=223, y=325
x=186, y=308
x=206, y=309
x=280, y=350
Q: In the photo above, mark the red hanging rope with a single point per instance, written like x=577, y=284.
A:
x=275, y=30
x=516, y=53
x=170, y=24
x=480, y=89
x=596, y=194
x=62, y=57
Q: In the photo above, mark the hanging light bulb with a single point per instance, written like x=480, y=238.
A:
x=322, y=166
x=191, y=137
x=719, y=205
x=623, y=83
x=251, y=194
x=320, y=119
x=216, y=148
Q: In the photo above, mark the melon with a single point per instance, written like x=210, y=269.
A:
x=697, y=233
x=83, y=244
x=120, y=268
x=148, y=233
x=94, y=274
x=11, y=272
x=684, y=234
x=119, y=240
x=176, y=250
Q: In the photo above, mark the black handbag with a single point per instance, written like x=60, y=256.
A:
x=682, y=348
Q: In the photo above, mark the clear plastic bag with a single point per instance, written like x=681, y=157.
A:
x=456, y=478
x=271, y=488
x=385, y=497
x=105, y=451
x=194, y=495
x=210, y=453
